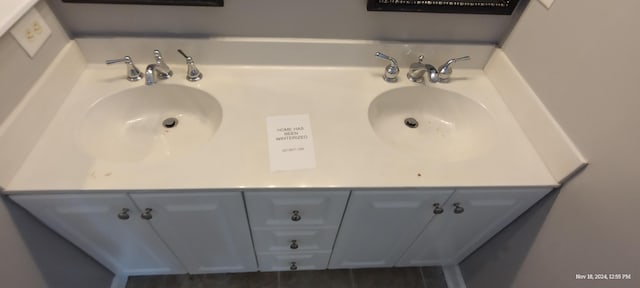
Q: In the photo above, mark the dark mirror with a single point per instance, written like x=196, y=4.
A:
x=218, y=3
x=501, y=7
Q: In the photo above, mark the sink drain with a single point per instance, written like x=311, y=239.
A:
x=411, y=122
x=170, y=122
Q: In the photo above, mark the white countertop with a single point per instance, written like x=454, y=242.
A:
x=348, y=153
x=11, y=11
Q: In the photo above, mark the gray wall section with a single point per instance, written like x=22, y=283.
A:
x=339, y=19
x=497, y=263
x=18, y=72
x=32, y=255
x=579, y=57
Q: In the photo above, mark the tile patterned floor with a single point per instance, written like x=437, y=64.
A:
x=423, y=277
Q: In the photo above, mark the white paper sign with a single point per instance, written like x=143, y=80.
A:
x=290, y=143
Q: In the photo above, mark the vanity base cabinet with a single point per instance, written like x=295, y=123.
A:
x=208, y=231
x=106, y=226
x=470, y=218
x=378, y=226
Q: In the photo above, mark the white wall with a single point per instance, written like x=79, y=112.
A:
x=338, y=19
x=32, y=255
x=581, y=58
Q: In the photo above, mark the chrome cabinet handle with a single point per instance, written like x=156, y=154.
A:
x=294, y=244
x=296, y=216
x=124, y=214
x=437, y=209
x=293, y=266
x=459, y=209
x=146, y=215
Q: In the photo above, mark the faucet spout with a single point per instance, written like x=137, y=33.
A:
x=416, y=73
x=418, y=69
x=441, y=74
x=155, y=72
x=158, y=70
x=151, y=74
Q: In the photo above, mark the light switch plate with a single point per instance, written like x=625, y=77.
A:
x=31, y=32
x=546, y=3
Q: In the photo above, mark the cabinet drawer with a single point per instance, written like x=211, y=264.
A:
x=293, y=261
x=296, y=208
x=285, y=240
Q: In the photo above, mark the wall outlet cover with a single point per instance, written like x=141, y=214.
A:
x=546, y=3
x=31, y=32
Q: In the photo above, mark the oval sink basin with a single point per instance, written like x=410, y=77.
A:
x=432, y=123
x=149, y=122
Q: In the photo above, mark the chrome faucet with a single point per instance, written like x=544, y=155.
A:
x=445, y=70
x=150, y=74
x=441, y=74
x=193, y=74
x=417, y=70
x=158, y=70
x=133, y=74
x=391, y=71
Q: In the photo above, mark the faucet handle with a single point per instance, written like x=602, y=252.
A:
x=165, y=71
x=193, y=74
x=133, y=74
x=391, y=71
x=125, y=59
x=385, y=57
x=158, y=56
x=446, y=69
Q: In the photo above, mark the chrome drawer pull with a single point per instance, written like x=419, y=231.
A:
x=296, y=216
